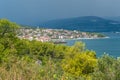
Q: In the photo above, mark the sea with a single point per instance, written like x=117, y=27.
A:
x=102, y=46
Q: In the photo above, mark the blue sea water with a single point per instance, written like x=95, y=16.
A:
x=109, y=46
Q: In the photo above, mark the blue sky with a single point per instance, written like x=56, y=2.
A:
x=32, y=12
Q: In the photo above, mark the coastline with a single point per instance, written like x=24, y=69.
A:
x=80, y=38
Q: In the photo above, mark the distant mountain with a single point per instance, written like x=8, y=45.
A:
x=117, y=18
x=86, y=23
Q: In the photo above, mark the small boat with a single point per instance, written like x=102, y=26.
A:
x=60, y=42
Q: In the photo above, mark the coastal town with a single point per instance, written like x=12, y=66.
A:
x=47, y=35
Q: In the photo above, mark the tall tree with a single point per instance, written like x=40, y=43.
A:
x=7, y=37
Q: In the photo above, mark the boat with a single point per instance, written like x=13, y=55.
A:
x=60, y=42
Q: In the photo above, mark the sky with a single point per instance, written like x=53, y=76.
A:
x=32, y=12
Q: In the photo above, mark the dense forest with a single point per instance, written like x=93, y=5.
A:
x=22, y=59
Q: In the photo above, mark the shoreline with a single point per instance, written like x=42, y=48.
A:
x=81, y=38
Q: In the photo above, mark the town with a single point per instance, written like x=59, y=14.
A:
x=47, y=35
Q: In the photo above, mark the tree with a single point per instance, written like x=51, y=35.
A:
x=108, y=68
x=7, y=28
x=7, y=37
x=79, y=63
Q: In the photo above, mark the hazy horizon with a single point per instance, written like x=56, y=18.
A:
x=32, y=12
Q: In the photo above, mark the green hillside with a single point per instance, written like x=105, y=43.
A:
x=21, y=59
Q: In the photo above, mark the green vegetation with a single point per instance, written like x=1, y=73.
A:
x=34, y=60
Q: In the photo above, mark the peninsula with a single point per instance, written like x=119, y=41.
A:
x=47, y=35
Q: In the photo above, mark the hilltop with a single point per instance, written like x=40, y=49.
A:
x=85, y=23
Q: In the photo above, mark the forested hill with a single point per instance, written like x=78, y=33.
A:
x=86, y=23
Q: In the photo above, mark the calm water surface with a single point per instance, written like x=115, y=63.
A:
x=100, y=46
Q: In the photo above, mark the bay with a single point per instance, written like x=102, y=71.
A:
x=109, y=46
